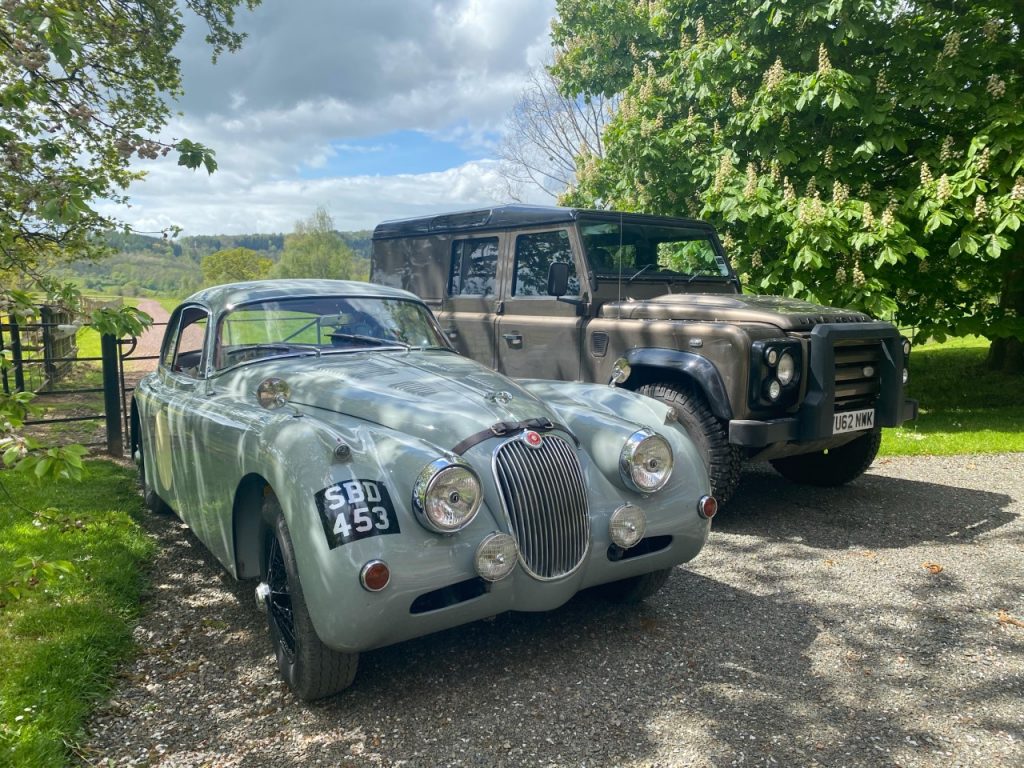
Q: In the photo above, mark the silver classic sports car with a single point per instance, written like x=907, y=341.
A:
x=322, y=438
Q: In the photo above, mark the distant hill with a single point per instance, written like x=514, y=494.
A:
x=142, y=265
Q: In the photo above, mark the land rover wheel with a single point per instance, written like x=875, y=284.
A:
x=711, y=437
x=311, y=669
x=635, y=589
x=834, y=466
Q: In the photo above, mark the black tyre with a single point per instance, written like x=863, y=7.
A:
x=311, y=669
x=710, y=435
x=635, y=589
x=153, y=502
x=834, y=466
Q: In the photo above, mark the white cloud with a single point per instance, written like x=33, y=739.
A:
x=227, y=204
x=315, y=77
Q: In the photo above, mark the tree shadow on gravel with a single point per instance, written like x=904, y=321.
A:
x=704, y=673
x=873, y=512
x=716, y=674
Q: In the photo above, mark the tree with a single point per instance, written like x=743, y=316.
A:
x=235, y=265
x=546, y=132
x=84, y=87
x=316, y=250
x=858, y=152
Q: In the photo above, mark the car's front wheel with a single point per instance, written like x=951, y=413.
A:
x=311, y=669
x=834, y=466
x=635, y=589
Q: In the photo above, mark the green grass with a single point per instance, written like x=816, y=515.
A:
x=62, y=638
x=964, y=407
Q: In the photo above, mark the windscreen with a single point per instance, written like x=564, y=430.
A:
x=646, y=251
x=320, y=325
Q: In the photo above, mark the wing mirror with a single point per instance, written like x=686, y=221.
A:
x=558, y=279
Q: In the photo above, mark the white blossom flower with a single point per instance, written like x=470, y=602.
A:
x=980, y=207
x=943, y=190
x=1017, y=193
x=926, y=175
x=824, y=65
x=788, y=193
x=840, y=192
x=952, y=46
x=751, y=186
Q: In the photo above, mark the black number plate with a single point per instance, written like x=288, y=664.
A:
x=356, y=509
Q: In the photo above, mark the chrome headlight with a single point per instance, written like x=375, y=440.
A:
x=646, y=461
x=786, y=369
x=447, y=496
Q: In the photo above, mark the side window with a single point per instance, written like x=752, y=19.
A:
x=534, y=254
x=474, y=267
x=183, y=352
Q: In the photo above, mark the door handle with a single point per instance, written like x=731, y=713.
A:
x=515, y=340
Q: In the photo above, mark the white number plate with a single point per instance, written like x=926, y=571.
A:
x=853, y=421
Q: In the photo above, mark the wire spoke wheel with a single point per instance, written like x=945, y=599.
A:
x=280, y=598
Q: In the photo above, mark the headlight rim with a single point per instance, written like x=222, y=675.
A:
x=425, y=482
x=627, y=456
x=785, y=381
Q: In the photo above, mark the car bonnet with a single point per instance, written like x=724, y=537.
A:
x=437, y=396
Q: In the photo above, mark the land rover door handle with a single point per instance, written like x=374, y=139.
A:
x=515, y=340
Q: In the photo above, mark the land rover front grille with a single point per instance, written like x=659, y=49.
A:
x=546, y=501
x=858, y=373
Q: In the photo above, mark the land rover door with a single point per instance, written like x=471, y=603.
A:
x=538, y=334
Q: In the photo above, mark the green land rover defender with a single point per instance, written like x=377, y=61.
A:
x=651, y=303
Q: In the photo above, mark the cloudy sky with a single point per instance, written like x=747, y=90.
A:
x=375, y=109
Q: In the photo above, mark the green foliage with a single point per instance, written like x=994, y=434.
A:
x=316, y=250
x=985, y=415
x=71, y=576
x=84, y=88
x=864, y=154
x=235, y=265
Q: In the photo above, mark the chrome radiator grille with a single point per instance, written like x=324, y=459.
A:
x=858, y=374
x=546, y=501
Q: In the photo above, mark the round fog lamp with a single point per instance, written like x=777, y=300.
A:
x=774, y=389
x=906, y=375
x=375, y=575
x=772, y=356
x=787, y=369
x=496, y=556
x=627, y=526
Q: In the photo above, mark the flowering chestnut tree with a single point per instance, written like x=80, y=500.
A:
x=865, y=153
x=85, y=87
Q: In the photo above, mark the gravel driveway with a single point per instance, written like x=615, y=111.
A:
x=881, y=624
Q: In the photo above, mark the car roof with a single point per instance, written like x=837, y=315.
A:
x=224, y=297
x=510, y=216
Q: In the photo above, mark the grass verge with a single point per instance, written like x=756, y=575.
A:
x=72, y=563
x=965, y=408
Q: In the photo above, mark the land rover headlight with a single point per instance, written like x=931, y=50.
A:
x=646, y=461
x=786, y=369
x=447, y=496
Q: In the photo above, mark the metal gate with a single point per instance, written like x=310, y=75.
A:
x=44, y=357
